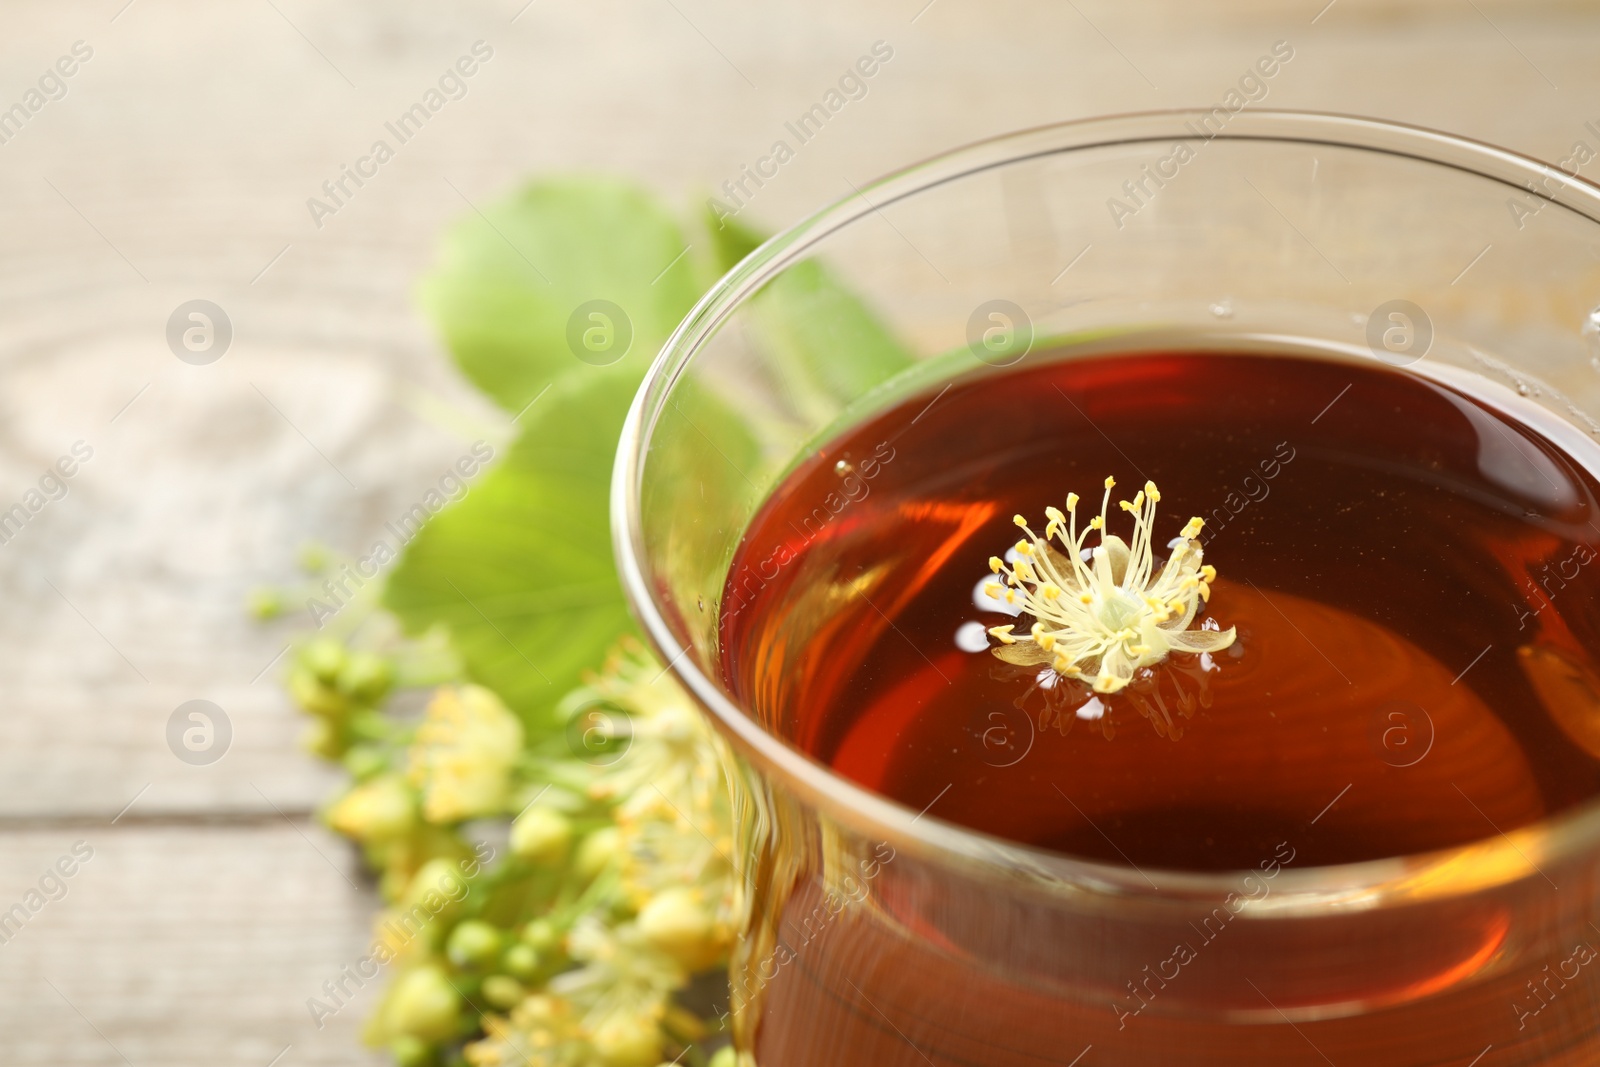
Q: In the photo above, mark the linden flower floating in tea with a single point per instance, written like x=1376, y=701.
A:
x=1104, y=618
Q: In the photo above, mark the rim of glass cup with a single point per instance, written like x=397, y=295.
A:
x=1445, y=873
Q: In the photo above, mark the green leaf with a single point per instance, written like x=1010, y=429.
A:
x=521, y=569
x=511, y=278
x=731, y=241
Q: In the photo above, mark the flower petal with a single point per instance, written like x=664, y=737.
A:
x=1202, y=640
x=1024, y=653
x=1115, y=554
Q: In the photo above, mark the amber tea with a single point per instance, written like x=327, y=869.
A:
x=1178, y=611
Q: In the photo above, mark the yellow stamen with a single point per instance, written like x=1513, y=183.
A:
x=1084, y=612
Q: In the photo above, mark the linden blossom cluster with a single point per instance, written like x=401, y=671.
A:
x=452, y=86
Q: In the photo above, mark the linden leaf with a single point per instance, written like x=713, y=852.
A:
x=521, y=569
x=511, y=278
x=731, y=241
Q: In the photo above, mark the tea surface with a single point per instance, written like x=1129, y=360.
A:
x=1409, y=570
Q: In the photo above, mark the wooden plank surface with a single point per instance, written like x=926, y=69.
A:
x=178, y=165
x=180, y=946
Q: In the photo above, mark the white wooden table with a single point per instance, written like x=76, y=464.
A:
x=177, y=166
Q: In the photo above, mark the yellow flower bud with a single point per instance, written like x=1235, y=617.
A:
x=502, y=991
x=324, y=658
x=440, y=879
x=676, y=922
x=423, y=1004
x=323, y=739
x=315, y=695
x=541, y=835
x=597, y=851
x=624, y=1041
x=383, y=809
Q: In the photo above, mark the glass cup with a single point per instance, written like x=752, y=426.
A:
x=873, y=934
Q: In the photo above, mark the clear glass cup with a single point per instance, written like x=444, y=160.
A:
x=877, y=935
